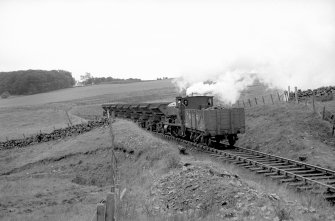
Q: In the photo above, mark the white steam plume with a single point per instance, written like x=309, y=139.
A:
x=281, y=43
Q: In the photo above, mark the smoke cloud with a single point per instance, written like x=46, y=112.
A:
x=281, y=43
x=225, y=43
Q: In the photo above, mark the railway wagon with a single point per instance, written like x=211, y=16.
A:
x=192, y=118
x=218, y=124
x=206, y=123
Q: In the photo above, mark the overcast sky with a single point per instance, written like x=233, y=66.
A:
x=149, y=39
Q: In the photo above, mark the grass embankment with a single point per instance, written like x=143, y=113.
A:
x=158, y=188
x=289, y=130
x=63, y=180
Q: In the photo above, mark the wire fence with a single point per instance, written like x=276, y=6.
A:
x=317, y=104
x=107, y=209
x=321, y=109
x=271, y=98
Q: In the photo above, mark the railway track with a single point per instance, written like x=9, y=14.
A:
x=298, y=175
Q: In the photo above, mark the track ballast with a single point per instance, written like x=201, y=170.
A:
x=295, y=174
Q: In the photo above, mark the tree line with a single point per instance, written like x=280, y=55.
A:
x=88, y=79
x=34, y=81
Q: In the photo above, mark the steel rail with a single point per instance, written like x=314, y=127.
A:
x=288, y=160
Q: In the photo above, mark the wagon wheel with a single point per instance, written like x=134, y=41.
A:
x=206, y=140
x=163, y=130
x=191, y=136
x=148, y=125
x=231, y=139
x=188, y=136
x=195, y=136
x=158, y=127
x=210, y=143
x=153, y=127
x=143, y=124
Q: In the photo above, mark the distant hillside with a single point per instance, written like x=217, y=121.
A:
x=34, y=81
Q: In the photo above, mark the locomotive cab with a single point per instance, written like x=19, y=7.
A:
x=188, y=103
x=194, y=102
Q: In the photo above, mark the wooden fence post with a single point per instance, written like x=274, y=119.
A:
x=296, y=94
x=256, y=100
x=249, y=102
x=313, y=102
x=110, y=207
x=323, y=112
x=68, y=117
x=289, y=91
x=272, y=98
x=243, y=104
x=278, y=96
x=100, y=212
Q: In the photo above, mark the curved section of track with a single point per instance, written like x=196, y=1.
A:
x=295, y=174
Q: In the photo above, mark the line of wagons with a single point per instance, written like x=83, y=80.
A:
x=192, y=118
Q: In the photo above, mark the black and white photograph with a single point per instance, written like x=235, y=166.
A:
x=167, y=110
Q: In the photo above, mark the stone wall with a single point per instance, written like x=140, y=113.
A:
x=321, y=94
x=54, y=135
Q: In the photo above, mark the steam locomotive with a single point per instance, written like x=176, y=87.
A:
x=192, y=118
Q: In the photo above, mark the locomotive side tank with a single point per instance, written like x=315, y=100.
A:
x=192, y=118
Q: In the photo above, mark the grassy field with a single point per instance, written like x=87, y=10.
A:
x=26, y=115
x=23, y=121
x=102, y=93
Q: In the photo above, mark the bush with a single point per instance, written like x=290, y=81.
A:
x=325, y=97
x=5, y=95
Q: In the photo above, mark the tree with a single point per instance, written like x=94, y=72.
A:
x=86, y=76
x=34, y=81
